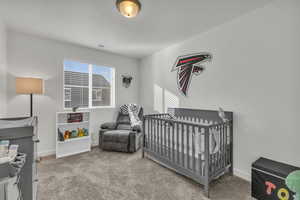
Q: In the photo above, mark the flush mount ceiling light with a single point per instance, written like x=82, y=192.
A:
x=129, y=8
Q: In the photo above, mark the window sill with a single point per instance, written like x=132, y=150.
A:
x=92, y=108
x=101, y=107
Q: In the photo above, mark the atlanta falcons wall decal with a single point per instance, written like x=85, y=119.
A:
x=187, y=66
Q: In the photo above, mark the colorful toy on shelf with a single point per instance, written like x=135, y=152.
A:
x=85, y=132
x=293, y=182
x=74, y=134
x=67, y=135
x=80, y=132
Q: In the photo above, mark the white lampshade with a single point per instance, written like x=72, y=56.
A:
x=29, y=86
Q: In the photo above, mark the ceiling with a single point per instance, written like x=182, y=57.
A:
x=92, y=22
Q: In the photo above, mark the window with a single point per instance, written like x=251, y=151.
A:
x=67, y=94
x=97, y=95
x=87, y=85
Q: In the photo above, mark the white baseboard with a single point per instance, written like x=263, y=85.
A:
x=241, y=174
x=46, y=153
x=53, y=152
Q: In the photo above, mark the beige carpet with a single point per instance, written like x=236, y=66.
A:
x=100, y=175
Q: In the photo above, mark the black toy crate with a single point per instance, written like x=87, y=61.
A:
x=268, y=180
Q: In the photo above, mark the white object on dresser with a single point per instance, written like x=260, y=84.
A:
x=76, y=145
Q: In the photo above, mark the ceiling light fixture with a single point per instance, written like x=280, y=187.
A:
x=129, y=8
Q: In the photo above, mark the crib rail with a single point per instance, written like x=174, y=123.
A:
x=184, y=145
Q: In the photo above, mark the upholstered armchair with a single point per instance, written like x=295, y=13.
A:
x=120, y=135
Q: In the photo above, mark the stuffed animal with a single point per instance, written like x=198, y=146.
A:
x=80, y=132
x=293, y=182
x=67, y=135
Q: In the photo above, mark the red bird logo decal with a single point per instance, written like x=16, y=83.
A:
x=187, y=66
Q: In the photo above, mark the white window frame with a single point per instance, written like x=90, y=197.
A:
x=90, y=66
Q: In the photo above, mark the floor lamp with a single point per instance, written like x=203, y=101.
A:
x=29, y=86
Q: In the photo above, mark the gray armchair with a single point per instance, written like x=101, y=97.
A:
x=120, y=136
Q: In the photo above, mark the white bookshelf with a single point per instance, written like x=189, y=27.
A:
x=74, y=145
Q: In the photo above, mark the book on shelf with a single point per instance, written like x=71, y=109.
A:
x=75, y=117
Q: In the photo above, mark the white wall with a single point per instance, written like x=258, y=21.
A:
x=36, y=57
x=254, y=73
x=3, y=66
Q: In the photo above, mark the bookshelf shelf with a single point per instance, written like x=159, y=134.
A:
x=74, y=139
x=73, y=123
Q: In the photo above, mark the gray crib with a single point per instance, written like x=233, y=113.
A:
x=194, y=143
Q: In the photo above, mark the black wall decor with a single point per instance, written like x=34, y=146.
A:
x=126, y=80
x=187, y=66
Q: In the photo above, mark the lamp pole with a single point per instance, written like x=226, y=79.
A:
x=31, y=113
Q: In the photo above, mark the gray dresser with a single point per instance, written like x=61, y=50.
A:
x=26, y=140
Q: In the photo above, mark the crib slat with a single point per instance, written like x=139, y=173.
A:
x=221, y=147
x=151, y=134
x=200, y=154
x=211, y=155
x=229, y=154
x=169, y=142
x=188, y=146
x=155, y=136
x=148, y=133
x=231, y=147
x=162, y=138
x=182, y=145
x=193, y=148
x=206, y=155
x=173, y=143
x=177, y=143
x=165, y=139
x=158, y=137
x=218, y=153
x=226, y=145
x=149, y=139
